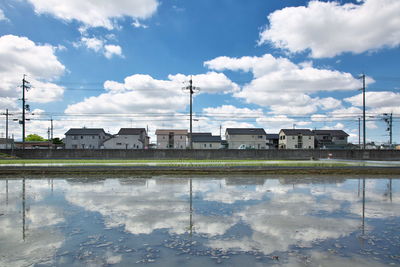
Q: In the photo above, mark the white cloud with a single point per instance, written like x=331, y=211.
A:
x=96, y=13
x=284, y=86
x=111, y=50
x=18, y=56
x=2, y=16
x=378, y=102
x=329, y=29
x=229, y=111
x=99, y=46
x=136, y=23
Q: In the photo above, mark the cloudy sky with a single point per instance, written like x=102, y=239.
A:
x=272, y=64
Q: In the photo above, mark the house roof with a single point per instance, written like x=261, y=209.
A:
x=85, y=131
x=167, y=131
x=206, y=138
x=297, y=132
x=272, y=136
x=331, y=132
x=202, y=134
x=131, y=131
x=245, y=131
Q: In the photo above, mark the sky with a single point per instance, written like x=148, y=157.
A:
x=270, y=64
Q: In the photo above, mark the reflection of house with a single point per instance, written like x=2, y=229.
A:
x=128, y=138
x=272, y=141
x=330, y=138
x=206, y=141
x=245, y=181
x=311, y=180
x=175, y=139
x=246, y=138
x=85, y=138
x=296, y=139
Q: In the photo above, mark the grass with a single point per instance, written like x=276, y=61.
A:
x=179, y=163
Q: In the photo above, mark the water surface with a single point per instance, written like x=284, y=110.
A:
x=207, y=221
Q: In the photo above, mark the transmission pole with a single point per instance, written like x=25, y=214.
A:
x=389, y=120
x=363, y=89
x=25, y=86
x=192, y=89
x=51, y=125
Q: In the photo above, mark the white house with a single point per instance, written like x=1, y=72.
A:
x=171, y=139
x=206, y=141
x=85, y=138
x=254, y=138
x=128, y=138
x=296, y=139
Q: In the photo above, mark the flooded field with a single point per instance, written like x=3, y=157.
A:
x=207, y=221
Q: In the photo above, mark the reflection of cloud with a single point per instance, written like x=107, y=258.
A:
x=41, y=239
x=286, y=220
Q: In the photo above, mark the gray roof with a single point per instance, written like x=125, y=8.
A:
x=297, y=132
x=245, y=131
x=272, y=136
x=131, y=131
x=207, y=138
x=85, y=131
x=331, y=132
x=198, y=134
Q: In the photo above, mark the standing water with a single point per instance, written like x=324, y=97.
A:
x=207, y=221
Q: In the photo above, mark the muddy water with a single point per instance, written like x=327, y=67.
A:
x=179, y=221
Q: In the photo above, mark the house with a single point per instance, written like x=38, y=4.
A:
x=85, y=138
x=296, y=139
x=171, y=139
x=272, y=141
x=330, y=139
x=254, y=138
x=6, y=143
x=128, y=138
x=206, y=141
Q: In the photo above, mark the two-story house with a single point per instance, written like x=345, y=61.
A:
x=171, y=139
x=330, y=138
x=206, y=141
x=296, y=139
x=85, y=138
x=128, y=138
x=272, y=141
x=252, y=138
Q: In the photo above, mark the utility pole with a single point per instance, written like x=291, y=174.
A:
x=25, y=86
x=389, y=121
x=363, y=89
x=192, y=89
x=359, y=133
x=6, y=114
x=51, y=127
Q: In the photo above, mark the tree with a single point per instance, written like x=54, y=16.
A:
x=34, y=138
x=57, y=141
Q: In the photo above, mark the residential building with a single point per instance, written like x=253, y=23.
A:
x=330, y=139
x=6, y=143
x=85, y=138
x=128, y=138
x=252, y=138
x=171, y=139
x=206, y=141
x=296, y=139
x=272, y=141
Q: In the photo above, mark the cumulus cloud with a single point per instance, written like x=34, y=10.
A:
x=284, y=86
x=328, y=29
x=99, y=46
x=18, y=56
x=96, y=13
x=377, y=102
x=2, y=16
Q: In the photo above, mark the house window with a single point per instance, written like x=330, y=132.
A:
x=81, y=136
x=210, y=145
x=163, y=137
x=293, y=137
x=181, y=136
x=205, y=145
x=93, y=137
x=309, y=138
x=119, y=144
x=260, y=137
x=74, y=146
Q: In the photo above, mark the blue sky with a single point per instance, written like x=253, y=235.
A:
x=271, y=64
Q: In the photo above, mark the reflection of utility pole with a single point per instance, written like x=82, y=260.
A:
x=23, y=209
x=192, y=89
x=358, y=187
x=191, y=208
x=7, y=192
x=363, y=208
